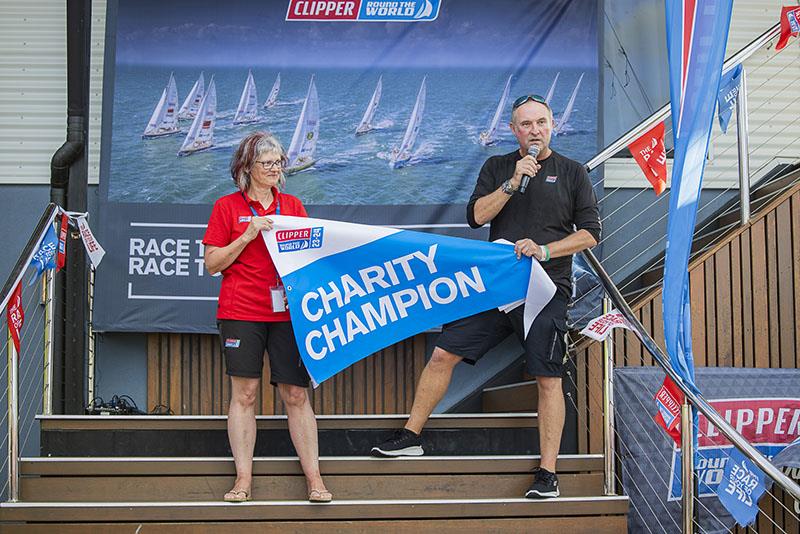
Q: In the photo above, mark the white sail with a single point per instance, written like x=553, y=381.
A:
x=304, y=141
x=247, y=111
x=192, y=103
x=489, y=136
x=164, y=120
x=401, y=154
x=425, y=10
x=272, y=99
x=552, y=89
x=366, y=121
x=562, y=123
x=201, y=133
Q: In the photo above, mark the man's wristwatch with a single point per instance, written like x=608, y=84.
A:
x=507, y=188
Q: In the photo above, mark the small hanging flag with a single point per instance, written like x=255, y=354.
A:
x=790, y=25
x=741, y=486
x=669, y=400
x=44, y=257
x=15, y=315
x=728, y=95
x=651, y=155
x=61, y=257
x=93, y=248
x=600, y=328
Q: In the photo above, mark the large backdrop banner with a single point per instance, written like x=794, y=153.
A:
x=387, y=110
x=762, y=404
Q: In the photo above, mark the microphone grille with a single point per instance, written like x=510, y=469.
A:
x=533, y=150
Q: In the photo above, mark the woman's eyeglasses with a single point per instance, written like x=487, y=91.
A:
x=269, y=165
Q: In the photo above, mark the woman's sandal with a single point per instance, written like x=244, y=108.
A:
x=320, y=496
x=234, y=495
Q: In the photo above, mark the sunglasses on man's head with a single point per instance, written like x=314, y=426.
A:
x=521, y=100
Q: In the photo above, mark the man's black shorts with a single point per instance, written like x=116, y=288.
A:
x=244, y=342
x=545, y=346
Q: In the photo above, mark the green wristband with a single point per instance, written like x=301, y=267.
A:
x=546, y=253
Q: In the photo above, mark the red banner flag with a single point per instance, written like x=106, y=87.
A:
x=669, y=399
x=15, y=315
x=61, y=257
x=790, y=25
x=651, y=155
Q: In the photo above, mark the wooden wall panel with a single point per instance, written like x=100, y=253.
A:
x=186, y=373
x=745, y=299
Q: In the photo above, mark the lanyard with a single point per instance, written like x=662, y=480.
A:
x=253, y=210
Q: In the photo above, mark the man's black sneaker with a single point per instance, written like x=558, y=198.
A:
x=402, y=443
x=545, y=485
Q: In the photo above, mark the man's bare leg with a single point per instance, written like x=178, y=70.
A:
x=551, y=419
x=431, y=388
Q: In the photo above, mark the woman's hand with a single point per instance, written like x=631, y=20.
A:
x=256, y=226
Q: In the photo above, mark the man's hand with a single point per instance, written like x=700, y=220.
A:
x=257, y=224
x=528, y=248
x=526, y=166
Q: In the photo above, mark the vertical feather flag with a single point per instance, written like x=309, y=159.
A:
x=697, y=34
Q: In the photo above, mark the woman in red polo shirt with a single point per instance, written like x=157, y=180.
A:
x=251, y=314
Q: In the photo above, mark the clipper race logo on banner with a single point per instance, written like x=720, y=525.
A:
x=354, y=289
x=364, y=10
x=769, y=424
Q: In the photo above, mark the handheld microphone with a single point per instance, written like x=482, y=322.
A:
x=533, y=150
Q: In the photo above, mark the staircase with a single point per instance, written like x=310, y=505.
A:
x=470, y=480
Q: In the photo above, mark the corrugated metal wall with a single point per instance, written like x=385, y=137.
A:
x=772, y=81
x=33, y=88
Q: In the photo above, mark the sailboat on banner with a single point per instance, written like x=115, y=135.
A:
x=562, y=127
x=550, y=91
x=192, y=103
x=366, y=121
x=201, y=133
x=304, y=141
x=402, y=154
x=247, y=111
x=272, y=99
x=489, y=137
x=164, y=120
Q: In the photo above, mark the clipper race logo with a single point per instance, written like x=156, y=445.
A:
x=300, y=239
x=769, y=424
x=364, y=10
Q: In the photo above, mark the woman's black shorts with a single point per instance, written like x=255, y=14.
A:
x=244, y=342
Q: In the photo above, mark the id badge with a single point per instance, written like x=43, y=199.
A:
x=278, y=296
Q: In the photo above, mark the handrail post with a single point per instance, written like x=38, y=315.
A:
x=47, y=386
x=743, y=138
x=687, y=467
x=13, y=420
x=609, y=464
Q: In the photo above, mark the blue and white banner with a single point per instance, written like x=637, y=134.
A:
x=697, y=33
x=354, y=289
x=728, y=95
x=741, y=487
x=44, y=257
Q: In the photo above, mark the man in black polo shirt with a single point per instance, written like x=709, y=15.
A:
x=555, y=218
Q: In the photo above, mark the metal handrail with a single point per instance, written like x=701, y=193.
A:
x=664, y=111
x=696, y=400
